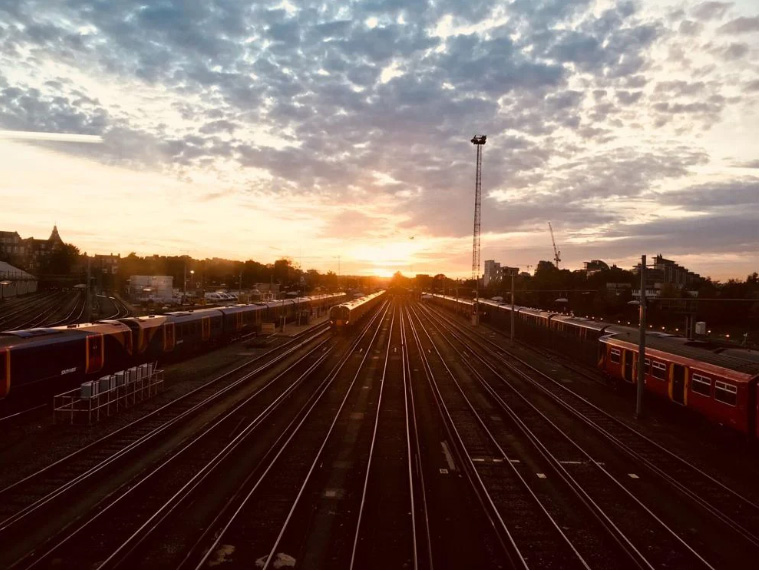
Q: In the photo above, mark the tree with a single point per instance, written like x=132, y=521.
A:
x=60, y=261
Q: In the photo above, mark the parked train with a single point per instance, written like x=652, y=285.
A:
x=53, y=357
x=349, y=313
x=717, y=382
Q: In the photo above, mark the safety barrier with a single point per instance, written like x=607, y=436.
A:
x=106, y=396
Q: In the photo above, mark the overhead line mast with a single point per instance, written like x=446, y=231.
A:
x=478, y=141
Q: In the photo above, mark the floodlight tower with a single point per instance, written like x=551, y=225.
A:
x=477, y=141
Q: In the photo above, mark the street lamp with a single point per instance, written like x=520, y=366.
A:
x=2, y=289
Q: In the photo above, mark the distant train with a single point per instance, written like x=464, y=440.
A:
x=717, y=382
x=349, y=313
x=52, y=357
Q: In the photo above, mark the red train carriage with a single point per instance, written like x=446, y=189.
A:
x=721, y=387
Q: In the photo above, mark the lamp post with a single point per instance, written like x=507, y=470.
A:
x=513, y=273
x=642, y=340
x=192, y=277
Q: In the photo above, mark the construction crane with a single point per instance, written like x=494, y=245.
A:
x=556, y=253
x=477, y=141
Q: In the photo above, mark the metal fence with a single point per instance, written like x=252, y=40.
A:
x=106, y=396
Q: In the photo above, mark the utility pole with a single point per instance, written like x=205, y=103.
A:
x=642, y=340
x=184, y=282
x=88, y=301
x=478, y=141
x=512, y=305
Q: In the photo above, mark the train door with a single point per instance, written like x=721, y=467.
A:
x=95, y=353
x=169, y=337
x=678, y=383
x=5, y=372
x=205, y=327
x=628, y=372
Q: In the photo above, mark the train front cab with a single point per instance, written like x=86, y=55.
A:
x=338, y=316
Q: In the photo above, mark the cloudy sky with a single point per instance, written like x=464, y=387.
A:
x=338, y=132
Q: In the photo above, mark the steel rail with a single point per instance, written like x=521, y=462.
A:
x=578, y=415
x=37, y=310
x=508, y=460
x=326, y=384
x=371, y=454
x=46, y=314
x=200, y=475
x=22, y=306
x=414, y=452
x=660, y=472
x=478, y=486
x=67, y=318
x=40, y=502
x=597, y=511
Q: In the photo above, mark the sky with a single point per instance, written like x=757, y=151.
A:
x=338, y=133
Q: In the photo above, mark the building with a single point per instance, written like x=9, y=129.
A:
x=494, y=272
x=14, y=281
x=151, y=288
x=28, y=252
x=106, y=264
x=663, y=273
x=595, y=266
x=11, y=246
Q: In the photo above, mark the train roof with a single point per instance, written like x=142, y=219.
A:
x=743, y=361
x=581, y=322
x=361, y=300
x=38, y=335
x=105, y=327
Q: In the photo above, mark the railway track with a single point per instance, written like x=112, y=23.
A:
x=529, y=532
x=32, y=311
x=649, y=460
x=413, y=443
x=63, y=487
x=603, y=495
x=263, y=520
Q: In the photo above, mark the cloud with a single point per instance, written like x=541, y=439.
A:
x=740, y=26
x=711, y=10
x=582, y=107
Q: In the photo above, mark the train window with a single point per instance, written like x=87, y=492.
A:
x=615, y=356
x=701, y=384
x=647, y=366
x=726, y=393
x=660, y=370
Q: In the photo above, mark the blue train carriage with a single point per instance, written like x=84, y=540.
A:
x=577, y=336
x=61, y=357
x=319, y=304
x=241, y=319
x=461, y=306
x=532, y=324
x=190, y=331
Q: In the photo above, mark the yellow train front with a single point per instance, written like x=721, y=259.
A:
x=346, y=315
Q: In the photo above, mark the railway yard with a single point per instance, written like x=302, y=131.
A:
x=54, y=308
x=410, y=439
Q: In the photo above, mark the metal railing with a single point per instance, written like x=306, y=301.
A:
x=96, y=400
